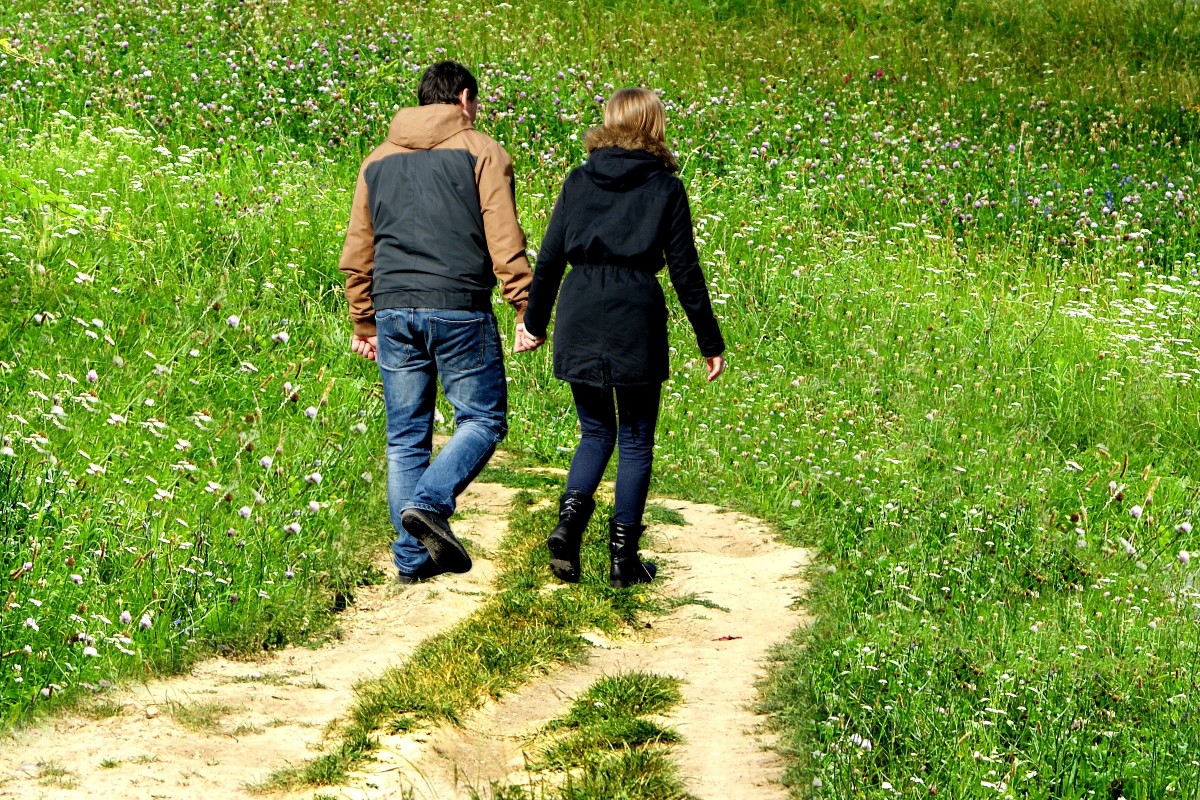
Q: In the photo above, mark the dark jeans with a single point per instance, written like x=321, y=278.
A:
x=629, y=426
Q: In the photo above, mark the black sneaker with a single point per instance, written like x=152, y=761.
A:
x=424, y=572
x=434, y=532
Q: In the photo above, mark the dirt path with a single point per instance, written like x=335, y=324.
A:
x=270, y=714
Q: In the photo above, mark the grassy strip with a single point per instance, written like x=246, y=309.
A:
x=604, y=747
x=520, y=632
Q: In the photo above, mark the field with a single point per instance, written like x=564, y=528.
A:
x=953, y=248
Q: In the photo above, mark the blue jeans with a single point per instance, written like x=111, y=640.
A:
x=416, y=348
x=633, y=435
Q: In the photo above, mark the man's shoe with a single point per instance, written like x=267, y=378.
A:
x=434, y=532
x=424, y=572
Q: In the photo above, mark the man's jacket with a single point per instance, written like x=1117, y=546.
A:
x=434, y=221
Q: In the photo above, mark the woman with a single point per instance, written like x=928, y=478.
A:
x=615, y=220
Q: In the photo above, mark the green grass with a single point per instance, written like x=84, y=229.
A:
x=604, y=747
x=952, y=246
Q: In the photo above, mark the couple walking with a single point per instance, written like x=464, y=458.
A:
x=432, y=227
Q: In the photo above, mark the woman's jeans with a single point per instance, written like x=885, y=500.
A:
x=416, y=348
x=629, y=426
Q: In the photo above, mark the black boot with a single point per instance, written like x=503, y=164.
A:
x=574, y=510
x=627, y=569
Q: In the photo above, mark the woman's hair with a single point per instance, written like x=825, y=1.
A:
x=636, y=110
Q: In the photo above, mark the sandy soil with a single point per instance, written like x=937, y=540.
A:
x=273, y=713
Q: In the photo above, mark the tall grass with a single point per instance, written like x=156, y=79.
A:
x=952, y=245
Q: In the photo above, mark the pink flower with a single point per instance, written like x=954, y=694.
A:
x=265, y=462
x=1184, y=557
x=1136, y=512
x=145, y=622
x=126, y=617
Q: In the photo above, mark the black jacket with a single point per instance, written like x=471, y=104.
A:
x=617, y=218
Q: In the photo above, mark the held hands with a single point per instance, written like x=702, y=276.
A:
x=364, y=346
x=716, y=365
x=525, y=341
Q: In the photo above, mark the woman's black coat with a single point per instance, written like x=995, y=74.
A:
x=616, y=218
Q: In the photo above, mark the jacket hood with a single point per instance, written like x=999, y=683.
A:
x=425, y=127
x=622, y=159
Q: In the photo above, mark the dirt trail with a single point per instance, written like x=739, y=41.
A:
x=729, y=559
x=277, y=709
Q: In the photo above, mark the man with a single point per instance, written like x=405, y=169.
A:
x=433, y=225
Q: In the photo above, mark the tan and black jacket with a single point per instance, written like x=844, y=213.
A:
x=434, y=221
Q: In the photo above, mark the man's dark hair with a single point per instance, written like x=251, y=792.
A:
x=443, y=83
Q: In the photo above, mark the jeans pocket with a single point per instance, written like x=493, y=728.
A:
x=395, y=347
x=459, y=344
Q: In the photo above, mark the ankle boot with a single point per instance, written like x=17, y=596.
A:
x=627, y=567
x=574, y=510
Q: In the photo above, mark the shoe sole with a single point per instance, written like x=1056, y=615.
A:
x=445, y=550
x=561, y=563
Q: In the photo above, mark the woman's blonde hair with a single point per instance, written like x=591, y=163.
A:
x=637, y=110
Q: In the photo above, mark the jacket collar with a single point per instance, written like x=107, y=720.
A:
x=425, y=127
x=604, y=136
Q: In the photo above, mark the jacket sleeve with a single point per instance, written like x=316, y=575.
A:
x=687, y=277
x=358, y=261
x=505, y=239
x=551, y=263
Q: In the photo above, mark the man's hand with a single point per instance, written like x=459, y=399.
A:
x=364, y=345
x=525, y=341
x=716, y=365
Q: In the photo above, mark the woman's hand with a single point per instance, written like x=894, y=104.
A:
x=526, y=341
x=716, y=365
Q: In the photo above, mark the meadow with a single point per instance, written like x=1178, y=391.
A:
x=953, y=247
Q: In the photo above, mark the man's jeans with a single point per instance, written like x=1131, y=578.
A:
x=417, y=347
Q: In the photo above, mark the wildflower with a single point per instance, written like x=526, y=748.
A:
x=359, y=428
x=30, y=622
x=292, y=527
x=265, y=462
x=314, y=506
x=92, y=376
x=7, y=451
x=311, y=412
x=1129, y=549
x=289, y=574
x=126, y=617
x=1184, y=557
x=145, y=622
x=233, y=321
x=244, y=512
x=1184, y=527
x=1136, y=512
x=281, y=337
x=76, y=579
x=313, y=478
x=90, y=652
